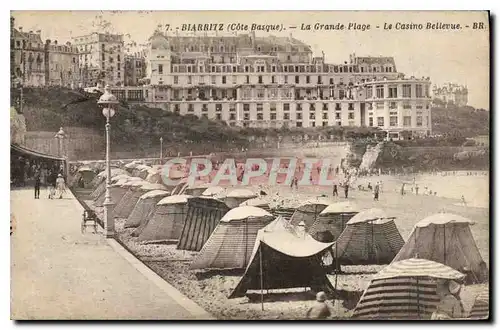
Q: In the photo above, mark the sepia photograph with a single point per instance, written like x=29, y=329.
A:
x=250, y=165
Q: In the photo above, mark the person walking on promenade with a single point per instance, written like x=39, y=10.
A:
x=335, y=190
x=403, y=189
x=346, y=189
x=320, y=310
x=376, y=192
x=60, y=185
x=36, y=177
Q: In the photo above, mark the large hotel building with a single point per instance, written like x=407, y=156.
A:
x=273, y=81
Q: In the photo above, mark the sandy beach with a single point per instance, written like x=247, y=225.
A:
x=210, y=289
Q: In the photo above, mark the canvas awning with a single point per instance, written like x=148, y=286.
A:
x=33, y=153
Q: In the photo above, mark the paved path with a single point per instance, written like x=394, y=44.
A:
x=59, y=273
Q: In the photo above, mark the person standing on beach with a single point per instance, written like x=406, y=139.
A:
x=403, y=189
x=376, y=192
x=36, y=177
x=320, y=310
x=335, y=191
x=416, y=189
x=346, y=189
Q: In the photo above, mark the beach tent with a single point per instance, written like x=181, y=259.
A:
x=370, y=237
x=332, y=220
x=237, y=196
x=203, y=215
x=131, y=166
x=230, y=245
x=127, y=203
x=262, y=203
x=404, y=290
x=213, y=191
x=154, y=174
x=165, y=223
x=132, y=187
x=197, y=189
x=446, y=238
x=481, y=307
x=146, y=204
x=87, y=175
x=116, y=191
x=284, y=258
x=117, y=183
x=141, y=171
x=308, y=212
x=101, y=178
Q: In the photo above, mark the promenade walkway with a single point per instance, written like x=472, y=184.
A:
x=59, y=273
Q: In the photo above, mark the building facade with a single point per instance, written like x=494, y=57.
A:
x=28, y=56
x=101, y=58
x=37, y=64
x=62, y=65
x=135, y=69
x=452, y=94
x=273, y=82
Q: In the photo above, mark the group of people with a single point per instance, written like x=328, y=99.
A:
x=41, y=173
x=56, y=186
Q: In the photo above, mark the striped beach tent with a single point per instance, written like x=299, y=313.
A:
x=127, y=203
x=481, y=307
x=237, y=196
x=447, y=238
x=146, y=204
x=116, y=191
x=284, y=258
x=308, y=212
x=404, y=290
x=231, y=244
x=165, y=223
x=101, y=178
x=132, y=187
x=333, y=220
x=203, y=215
x=370, y=237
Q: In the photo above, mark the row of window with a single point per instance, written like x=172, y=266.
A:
x=393, y=121
x=420, y=91
x=192, y=68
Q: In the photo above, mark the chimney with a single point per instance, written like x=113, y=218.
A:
x=31, y=32
x=21, y=29
x=55, y=42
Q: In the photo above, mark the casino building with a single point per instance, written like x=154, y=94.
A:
x=271, y=82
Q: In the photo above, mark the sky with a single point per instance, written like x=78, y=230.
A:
x=457, y=56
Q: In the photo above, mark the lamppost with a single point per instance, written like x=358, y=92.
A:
x=108, y=101
x=161, y=150
x=60, y=136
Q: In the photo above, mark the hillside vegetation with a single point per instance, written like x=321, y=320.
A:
x=136, y=127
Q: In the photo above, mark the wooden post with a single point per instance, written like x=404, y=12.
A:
x=444, y=244
x=261, y=280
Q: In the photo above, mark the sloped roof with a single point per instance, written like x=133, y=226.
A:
x=375, y=216
x=341, y=207
x=419, y=268
x=443, y=219
x=243, y=212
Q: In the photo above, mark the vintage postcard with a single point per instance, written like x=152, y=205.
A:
x=239, y=165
